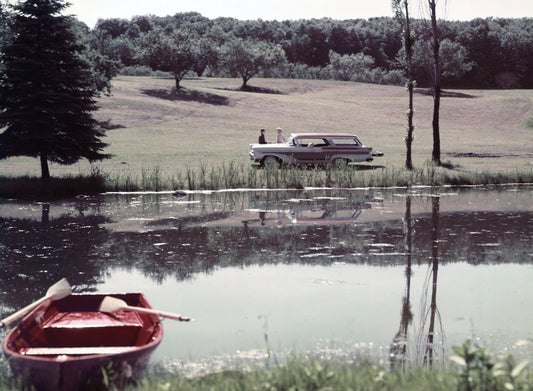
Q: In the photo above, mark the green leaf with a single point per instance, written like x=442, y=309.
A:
x=460, y=350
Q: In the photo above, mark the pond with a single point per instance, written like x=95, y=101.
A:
x=387, y=274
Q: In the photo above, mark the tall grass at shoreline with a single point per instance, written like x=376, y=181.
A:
x=241, y=176
x=298, y=374
x=236, y=176
x=472, y=368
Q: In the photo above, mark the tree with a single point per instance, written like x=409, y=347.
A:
x=248, y=57
x=5, y=33
x=46, y=92
x=405, y=22
x=349, y=67
x=437, y=76
x=209, y=55
x=112, y=28
x=103, y=68
x=172, y=51
x=454, y=59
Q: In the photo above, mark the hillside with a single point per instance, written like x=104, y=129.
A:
x=483, y=130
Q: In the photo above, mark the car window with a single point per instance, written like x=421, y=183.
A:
x=346, y=141
x=312, y=142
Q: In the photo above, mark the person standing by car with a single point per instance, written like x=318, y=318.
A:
x=280, y=139
x=262, y=137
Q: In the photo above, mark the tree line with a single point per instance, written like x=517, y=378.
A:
x=481, y=53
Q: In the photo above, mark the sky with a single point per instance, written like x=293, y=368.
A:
x=89, y=11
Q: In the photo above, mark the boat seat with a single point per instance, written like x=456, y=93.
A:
x=77, y=351
x=72, y=329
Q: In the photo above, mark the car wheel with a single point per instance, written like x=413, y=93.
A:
x=340, y=163
x=270, y=161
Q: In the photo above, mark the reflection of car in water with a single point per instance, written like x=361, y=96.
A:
x=318, y=211
x=326, y=214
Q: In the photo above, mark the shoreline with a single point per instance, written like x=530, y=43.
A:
x=240, y=178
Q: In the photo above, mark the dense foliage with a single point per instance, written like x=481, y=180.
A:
x=481, y=53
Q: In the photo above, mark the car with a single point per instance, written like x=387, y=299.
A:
x=337, y=149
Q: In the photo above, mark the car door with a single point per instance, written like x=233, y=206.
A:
x=311, y=150
x=350, y=147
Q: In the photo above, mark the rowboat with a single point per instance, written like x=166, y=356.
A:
x=68, y=344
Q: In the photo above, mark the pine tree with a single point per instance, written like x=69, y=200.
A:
x=46, y=93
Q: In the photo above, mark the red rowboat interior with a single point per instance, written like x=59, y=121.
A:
x=73, y=326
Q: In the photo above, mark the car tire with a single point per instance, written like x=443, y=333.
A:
x=340, y=163
x=270, y=162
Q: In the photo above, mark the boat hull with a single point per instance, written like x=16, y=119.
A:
x=67, y=344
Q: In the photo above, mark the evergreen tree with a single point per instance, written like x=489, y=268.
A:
x=46, y=90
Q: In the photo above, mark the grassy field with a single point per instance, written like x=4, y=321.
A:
x=489, y=131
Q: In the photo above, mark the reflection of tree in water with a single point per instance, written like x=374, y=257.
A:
x=36, y=254
x=428, y=344
x=182, y=246
x=428, y=347
x=398, y=348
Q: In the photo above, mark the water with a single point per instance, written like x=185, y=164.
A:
x=336, y=274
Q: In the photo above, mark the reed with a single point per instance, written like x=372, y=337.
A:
x=234, y=175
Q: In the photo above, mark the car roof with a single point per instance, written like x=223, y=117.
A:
x=323, y=135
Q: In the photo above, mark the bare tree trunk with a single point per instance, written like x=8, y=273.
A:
x=45, y=172
x=45, y=215
x=430, y=346
x=435, y=156
x=410, y=87
x=403, y=19
x=244, y=85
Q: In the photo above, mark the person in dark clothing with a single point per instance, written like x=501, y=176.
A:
x=262, y=137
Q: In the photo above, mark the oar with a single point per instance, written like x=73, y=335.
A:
x=112, y=304
x=57, y=291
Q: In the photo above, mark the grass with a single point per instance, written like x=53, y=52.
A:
x=311, y=375
x=198, y=138
x=235, y=176
x=472, y=368
x=31, y=188
x=238, y=176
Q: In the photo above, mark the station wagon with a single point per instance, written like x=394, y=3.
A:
x=338, y=149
